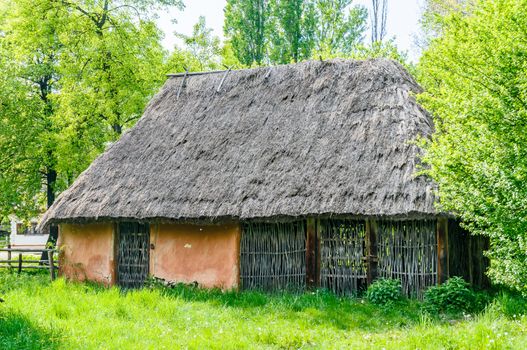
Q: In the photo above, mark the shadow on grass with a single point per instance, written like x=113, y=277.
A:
x=18, y=332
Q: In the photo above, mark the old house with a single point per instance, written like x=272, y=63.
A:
x=293, y=176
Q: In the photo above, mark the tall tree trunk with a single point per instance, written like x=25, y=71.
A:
x=51, y=179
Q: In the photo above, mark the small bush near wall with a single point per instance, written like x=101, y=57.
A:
x=453, y=297
x=384, y=291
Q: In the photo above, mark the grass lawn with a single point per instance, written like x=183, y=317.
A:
x=60, y=315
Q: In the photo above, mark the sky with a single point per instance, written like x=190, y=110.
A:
x=402, y=22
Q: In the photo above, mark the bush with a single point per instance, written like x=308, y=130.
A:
x=452, y=297
x=384, y=291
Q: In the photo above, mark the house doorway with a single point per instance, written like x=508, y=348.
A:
x=133, y=254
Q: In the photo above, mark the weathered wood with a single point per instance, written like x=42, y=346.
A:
x=218, y=90
x=19, y=263
x=51, y=265
x=273, y=255
x=371, y=250
x=9, y=253
x=133, y=254
x=407, y=250
x=182, y=85
x=312, y=279
x=342, y=259
x=194, y=73
x=24, y=250
x=442, y=250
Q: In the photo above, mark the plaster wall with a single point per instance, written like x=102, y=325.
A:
x=87, y=252
x=206, y=254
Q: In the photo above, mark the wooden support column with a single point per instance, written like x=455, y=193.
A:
x=442, y=250
x=371, y=251
x=51, y=263
x=312, y=253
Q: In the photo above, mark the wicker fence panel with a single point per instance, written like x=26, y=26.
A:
x=273, y=256
x=342, y=251
x=133, y=254
x=407, y=250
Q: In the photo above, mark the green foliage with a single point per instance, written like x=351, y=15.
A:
x=291, y=30
x=63, y=315
x=452, y=297
x=510, y=304
x=74, y=77
x=339, y=26
x=284, y=31
x=384, y=291
x=203, y=47
x=474, y=75
x=245, y=25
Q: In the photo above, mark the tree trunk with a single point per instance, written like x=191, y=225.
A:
x=51, y=179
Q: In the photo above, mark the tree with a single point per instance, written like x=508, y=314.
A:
x=281, y=31
x=28, y=151
x=378, y=20
x=339, y=26
x=77, y=74
x=475, y=78
x=291, y=30
x=245, y=24
x=203, y=46
x=433, y=14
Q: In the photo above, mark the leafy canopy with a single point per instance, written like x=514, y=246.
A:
x=475, y=76
x=75, y=74
x=285, y=31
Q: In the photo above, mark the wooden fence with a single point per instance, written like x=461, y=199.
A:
x=347, y=255
x=407, y=250
x=343, y=267
x=16, y=260
x=273, y=256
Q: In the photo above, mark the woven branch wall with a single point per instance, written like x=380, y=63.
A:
x=407, y=250
x=133, y=254
x=273, y=255
x=342, y=251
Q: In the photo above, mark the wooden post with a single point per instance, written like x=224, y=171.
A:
x=51, y=264
x=19, y=263
x=312, y=251
x=371, y=251
x=9, y=255
x=442, y=250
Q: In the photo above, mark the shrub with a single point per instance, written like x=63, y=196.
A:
x=453, y=297
x=384, y=291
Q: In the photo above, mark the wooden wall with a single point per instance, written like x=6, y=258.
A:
x=345, y=255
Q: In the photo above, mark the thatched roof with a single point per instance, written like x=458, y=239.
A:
x=314, y=138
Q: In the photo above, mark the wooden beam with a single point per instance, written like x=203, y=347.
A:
x=312, y=251
x=442, y=250
x=19, y=263
x=371, y=251
x=51, y=265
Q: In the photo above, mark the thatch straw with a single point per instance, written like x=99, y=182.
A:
x=314, y=138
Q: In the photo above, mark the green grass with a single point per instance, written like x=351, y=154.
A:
x=60, y=315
